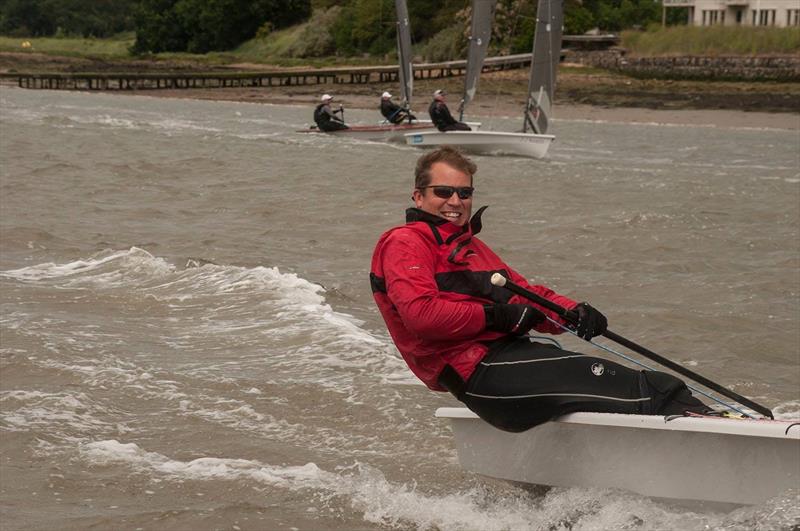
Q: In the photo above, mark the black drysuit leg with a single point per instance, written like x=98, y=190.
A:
x=332, y=125
x=520, y=384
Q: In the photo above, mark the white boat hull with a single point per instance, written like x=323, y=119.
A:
x=383, y=132
x=704, y=459
x=485, y=142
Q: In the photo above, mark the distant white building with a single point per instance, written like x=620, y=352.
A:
x=779, y=13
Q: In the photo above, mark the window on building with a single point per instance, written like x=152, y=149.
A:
x=793, y=17
x=766, y=17
x=712, y=17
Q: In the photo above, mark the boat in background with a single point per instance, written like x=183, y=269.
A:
x=385, y=131
x=712, y=460
x=541, y=85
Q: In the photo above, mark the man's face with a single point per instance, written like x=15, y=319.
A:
x=452, y=208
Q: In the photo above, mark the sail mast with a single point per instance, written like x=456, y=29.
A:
x=406, y=68
x=480, y=33
x=544, y=61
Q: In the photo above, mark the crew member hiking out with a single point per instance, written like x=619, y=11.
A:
x=457, y=332
x=393, y=112
x=326, y=118
x=441, y=117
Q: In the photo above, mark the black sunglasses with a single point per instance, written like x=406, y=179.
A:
x=445, y=192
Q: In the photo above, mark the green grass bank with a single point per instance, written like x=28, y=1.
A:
x=712, y=41
x=288, y=47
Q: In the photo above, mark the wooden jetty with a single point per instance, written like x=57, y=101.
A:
x=266, y=78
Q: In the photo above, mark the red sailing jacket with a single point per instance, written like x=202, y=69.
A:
x=431, y=279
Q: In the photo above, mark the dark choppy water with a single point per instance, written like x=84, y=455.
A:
x=189, y=340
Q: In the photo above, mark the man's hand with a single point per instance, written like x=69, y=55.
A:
x=591, y=322
x=512, y=318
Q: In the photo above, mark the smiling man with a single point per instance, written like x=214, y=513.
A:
x=457, y=332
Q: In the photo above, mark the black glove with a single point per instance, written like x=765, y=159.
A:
x=512, y=318
x=591, y=322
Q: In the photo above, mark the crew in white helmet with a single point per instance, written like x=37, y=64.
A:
x=393, y=112
x=326, y=118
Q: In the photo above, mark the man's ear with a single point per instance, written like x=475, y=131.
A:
x=416, y=196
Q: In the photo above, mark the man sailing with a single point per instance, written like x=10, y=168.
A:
x=326, y=118
x=393, y=112
x=441, y=117
x=457, y=332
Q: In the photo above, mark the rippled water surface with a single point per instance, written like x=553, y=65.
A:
x=189, y=340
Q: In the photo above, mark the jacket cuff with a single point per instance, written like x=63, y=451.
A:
x=488, y=313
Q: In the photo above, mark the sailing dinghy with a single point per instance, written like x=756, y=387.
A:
x=697, y=459
x=388, y=132
x=541, y=84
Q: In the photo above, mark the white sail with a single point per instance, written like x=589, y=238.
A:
x=544, y=61
x=406, y=69
x=480, y=33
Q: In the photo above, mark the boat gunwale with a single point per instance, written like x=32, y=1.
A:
x=778, y=429
x=487, y=134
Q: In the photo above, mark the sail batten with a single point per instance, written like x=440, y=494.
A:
x=404, y=53
x=480, y=34
x=544, y=61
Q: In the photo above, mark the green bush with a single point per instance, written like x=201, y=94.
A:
x=365, y=26
x=448, y=45
x=316, y=39
x=199, y=26
x=513, y=27
x=66, y=18
x=578, y=21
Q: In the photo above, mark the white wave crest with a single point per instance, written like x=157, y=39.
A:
x=787, y=410
x=65, y=416
x=132, y=258
x=214, y=307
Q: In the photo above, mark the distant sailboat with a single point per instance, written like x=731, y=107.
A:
x=541, y=84
x=387, y=132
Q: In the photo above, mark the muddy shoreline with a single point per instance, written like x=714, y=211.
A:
x=582, y=93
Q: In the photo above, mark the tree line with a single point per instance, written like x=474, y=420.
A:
x=351, y=27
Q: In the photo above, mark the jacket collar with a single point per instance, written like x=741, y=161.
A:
x=442, y=225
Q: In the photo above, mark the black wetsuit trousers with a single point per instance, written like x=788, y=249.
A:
x=457, y=126
x=520, y=384
x=400, y=117
x=332, y=125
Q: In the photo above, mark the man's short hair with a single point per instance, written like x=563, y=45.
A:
x=449, y=155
